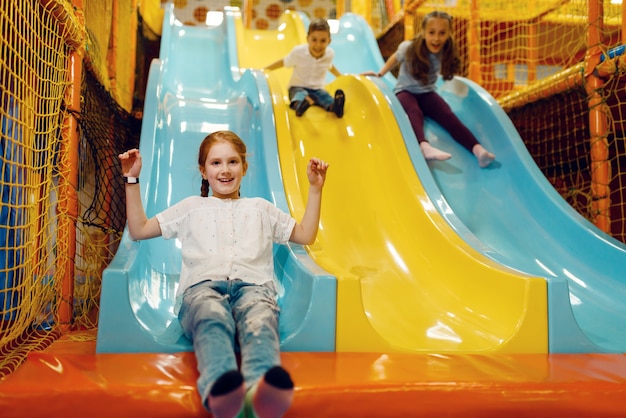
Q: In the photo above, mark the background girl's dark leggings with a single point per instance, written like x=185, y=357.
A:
x=432, y=105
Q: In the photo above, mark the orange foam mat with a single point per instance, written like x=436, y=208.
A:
x=68, y=382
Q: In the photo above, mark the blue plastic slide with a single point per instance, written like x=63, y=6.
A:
x=510, y=212
x=195, y=88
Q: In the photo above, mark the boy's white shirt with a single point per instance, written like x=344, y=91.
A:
x=308, y=71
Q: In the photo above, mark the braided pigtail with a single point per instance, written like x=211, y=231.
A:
x=204, y=189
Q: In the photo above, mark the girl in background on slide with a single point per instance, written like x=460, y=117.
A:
x=433, y=51
x=226, y=287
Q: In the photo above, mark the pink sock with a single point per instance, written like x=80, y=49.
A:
x=273, y=394
x=227, y=395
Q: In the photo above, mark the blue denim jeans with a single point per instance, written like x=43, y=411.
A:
x=214, y=313
x=321, y=97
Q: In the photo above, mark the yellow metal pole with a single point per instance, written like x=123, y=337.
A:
x=409, y=18
x=409, y=24
x=364, y=9
x=340, y=8
x=248, y=9
x=623, y=22
x=544, y=88
x=533, y=52
x=473, y=40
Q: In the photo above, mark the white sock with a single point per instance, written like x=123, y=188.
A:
x=227, y=395
x=432, y=153
x=484, y=157
x=273, y=394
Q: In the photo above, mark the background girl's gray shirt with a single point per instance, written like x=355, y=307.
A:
x=406, y=82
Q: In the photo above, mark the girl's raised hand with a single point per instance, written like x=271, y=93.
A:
x=316, y=172
x=131, y=163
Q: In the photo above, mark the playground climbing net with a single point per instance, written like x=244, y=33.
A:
x=62, y=212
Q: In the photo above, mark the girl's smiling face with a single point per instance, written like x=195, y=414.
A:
x=224, y=169
x=436, y=33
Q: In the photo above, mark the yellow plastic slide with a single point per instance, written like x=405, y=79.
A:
x=406, y=281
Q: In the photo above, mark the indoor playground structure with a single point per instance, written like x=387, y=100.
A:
x=433, y=288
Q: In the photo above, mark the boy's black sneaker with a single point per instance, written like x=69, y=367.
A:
x=302, y=107
x=340, y=100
